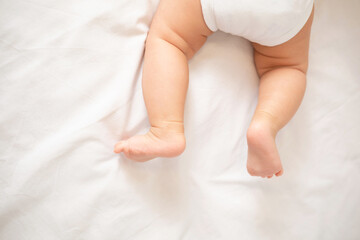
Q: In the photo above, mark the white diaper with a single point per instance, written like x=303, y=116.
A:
x=267, y=22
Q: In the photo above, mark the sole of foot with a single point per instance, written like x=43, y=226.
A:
x=263, y=157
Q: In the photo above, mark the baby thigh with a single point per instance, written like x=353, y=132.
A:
x=181, y=23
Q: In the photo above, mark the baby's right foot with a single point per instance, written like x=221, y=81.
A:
x=158, y=142
x=263, y=157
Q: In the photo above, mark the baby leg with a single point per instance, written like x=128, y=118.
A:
x=282, y=70
x=177, y=32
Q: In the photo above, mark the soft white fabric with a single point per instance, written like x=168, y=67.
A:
x=70, y=87
x=267, y=22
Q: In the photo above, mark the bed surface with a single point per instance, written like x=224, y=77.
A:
x=70, y=88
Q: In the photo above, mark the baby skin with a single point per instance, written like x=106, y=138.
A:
x=177, y=32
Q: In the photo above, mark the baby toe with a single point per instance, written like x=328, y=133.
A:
x=279, y=173
x=119, y=147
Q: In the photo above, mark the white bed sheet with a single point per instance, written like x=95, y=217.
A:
x=70, y=87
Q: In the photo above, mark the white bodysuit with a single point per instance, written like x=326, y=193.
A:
x=267, y=22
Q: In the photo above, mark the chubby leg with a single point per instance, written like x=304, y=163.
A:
x=177, y=32
x=282, y=70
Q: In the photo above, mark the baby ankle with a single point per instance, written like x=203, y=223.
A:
x=169, y=126
x=175, y=139
x=257, y=131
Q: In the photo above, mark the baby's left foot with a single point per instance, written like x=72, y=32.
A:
x=263, y=157
x=158, y=142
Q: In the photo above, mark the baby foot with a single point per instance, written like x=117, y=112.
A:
x=156, y=143
x=263, y=157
